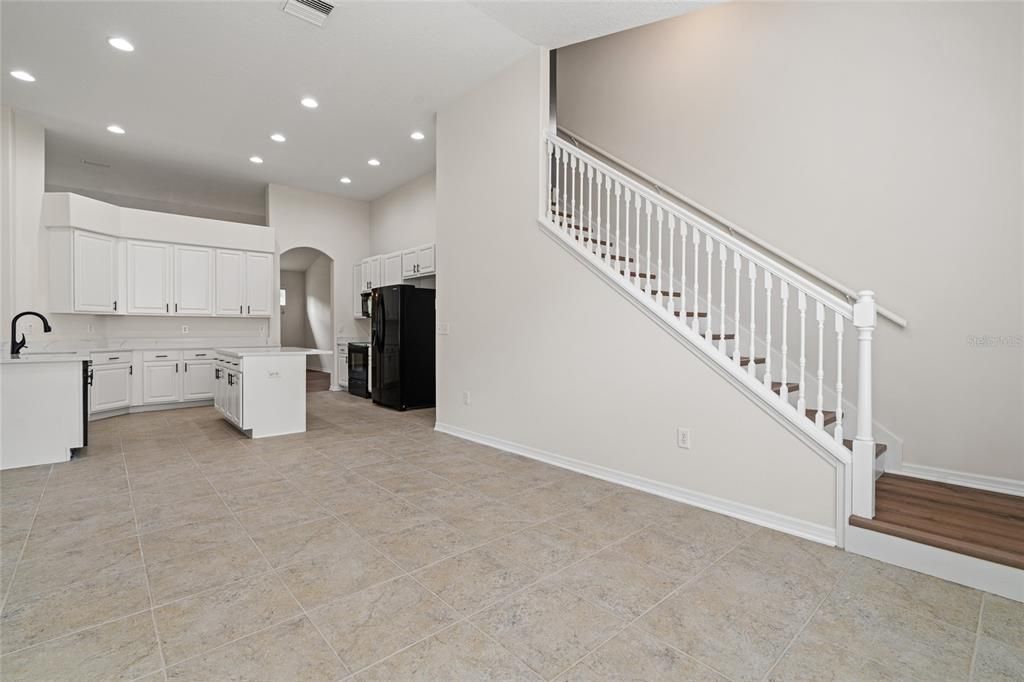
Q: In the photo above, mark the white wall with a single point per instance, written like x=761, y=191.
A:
x=317, y=284
x=555, y=360
x=404, y=217
x=881, y=143
x=293, y=319
x=338, y=227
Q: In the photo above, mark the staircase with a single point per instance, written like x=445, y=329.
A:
x=792, y=344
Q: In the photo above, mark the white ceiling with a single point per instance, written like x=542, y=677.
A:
x=210, y=81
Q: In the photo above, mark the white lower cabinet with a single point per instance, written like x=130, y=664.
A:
x=197, y=380
x=161, y=381
x=111, y=387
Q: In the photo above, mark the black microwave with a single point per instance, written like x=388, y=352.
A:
x=365, y=300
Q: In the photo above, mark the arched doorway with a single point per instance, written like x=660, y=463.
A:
x=307, y=311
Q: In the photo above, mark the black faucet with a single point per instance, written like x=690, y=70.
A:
x=16, y=346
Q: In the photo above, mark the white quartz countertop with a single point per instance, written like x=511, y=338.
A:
x=37, y=358
x=284, y=350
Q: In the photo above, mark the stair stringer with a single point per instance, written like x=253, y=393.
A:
x=819, y=441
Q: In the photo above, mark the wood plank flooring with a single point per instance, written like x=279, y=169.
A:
x=974, y=522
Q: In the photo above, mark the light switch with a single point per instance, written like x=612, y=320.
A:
x=442, y=328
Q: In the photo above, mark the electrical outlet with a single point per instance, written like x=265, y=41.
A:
x=262, y=328
x=443, y=328
x=683, y=438
x=184, y=329
x=91, y=327
x=465, y=397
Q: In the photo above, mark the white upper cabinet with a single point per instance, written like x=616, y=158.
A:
x=149, y=278
x=392, y=268
x=193, y=280
x=259, y=281
x=418, y=262
x=372, y=271
x=357, y=289
x=95, y=273
x=230, y=289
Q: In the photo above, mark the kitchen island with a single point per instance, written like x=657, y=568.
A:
x=262, y=391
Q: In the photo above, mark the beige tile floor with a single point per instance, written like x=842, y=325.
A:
x=374, y=548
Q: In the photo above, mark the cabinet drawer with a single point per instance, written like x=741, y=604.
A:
x=199, y=354
x=154, y=355
x=112, y=357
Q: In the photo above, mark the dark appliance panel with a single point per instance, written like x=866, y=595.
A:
x=358, y=369
x=403, y=347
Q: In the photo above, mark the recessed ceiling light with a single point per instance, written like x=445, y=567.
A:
x=373, y=162
x=121, y=44
x=24, y=76
x=256, y=159
x=116, y=129
x=277, y=137
x=310, y=103
x=417, y=135
x=345, y=180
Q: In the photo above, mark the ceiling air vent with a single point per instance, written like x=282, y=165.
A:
x=313, y=11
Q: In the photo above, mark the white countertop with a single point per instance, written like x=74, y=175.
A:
x=285, y=350
x=36, y=358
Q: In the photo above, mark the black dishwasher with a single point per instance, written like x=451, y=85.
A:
x=359, y=369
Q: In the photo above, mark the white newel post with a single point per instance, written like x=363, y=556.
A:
x=864, y=318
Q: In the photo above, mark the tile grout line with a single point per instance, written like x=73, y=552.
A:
x=977, y=637
x=248, y=535
x=145, y=566
x=24, y=543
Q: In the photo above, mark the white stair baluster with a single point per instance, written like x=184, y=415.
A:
x=550, y=184
x=590, y=207
x=565, y=182
x=819, y=417
x=661, y=217
x=647, y=286
x=592, y=235
x=752, y=276
x=637, y=205
x=767, y=378
x=618, y=224
x=722, y=256
x=555, y=218
x=671, y=263
x=801, y=304
x=624, y=267
x=572, y=190
x=709, y=248
x=839, y=378
x=608, y=224
x=737, y=262
x=696, y=280
x=682, y=271
x=784, y=294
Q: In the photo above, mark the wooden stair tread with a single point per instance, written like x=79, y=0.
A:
x=922, y=513
x=880, y=448
x=965, y=547
x=675, y=294
x=690, y=313
x=791, y=387
x=723, y=337
x=744, y=361
x=642, y=275
x=828, y=415
x=623, y=259
x=947, y=493
x=602, y=242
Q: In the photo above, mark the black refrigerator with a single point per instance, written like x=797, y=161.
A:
x=402, y=342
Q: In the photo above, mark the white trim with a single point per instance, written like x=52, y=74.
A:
x=762, y=517
x=135, y=409
x=994, y=484
x=966, y=570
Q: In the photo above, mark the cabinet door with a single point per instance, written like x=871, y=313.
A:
x=259, y=280
x=375, y=271
x=357, y=288
x=161, y=382
x=95, y=273
x=409, y=261
x=111, y=387
x=365, y=270
x=393, y=268
x=193, y=280
x=197, y=380
x=149, y=278
x=230, y=278
x=425, y=259
x=218, y=388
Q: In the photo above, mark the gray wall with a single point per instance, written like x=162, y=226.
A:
x=293, y=314
x=880, y=143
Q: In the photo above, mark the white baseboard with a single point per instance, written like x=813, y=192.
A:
x=1005, y=581
x=991, y=483
x=762, y=517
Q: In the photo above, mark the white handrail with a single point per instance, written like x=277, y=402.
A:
x=825, y=297
x=733, y=229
